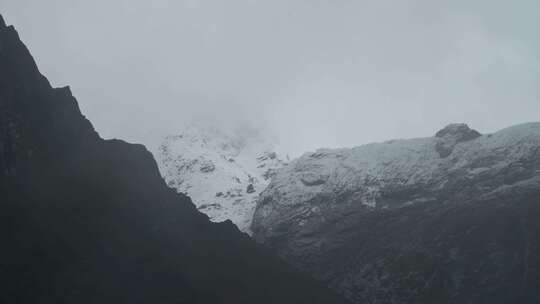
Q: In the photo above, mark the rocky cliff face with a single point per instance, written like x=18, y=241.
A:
x=445, y=219
x=223, y=173
x=87, y=220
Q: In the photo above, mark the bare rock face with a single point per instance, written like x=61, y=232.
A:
x=87, y=220
x=445, y=219
x=451, y=135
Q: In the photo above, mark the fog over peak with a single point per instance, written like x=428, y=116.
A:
x=311, y=73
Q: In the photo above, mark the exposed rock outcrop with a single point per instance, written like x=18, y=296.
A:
x=452, y=135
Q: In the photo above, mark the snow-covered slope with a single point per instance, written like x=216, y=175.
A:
x=420, y=167
x=446, y=219
x=223, y=172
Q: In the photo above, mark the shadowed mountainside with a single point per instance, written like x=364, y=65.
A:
x=87, y=220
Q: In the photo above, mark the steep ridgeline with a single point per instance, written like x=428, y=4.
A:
x=87, y=220
x=448, y=219
x=223, y=173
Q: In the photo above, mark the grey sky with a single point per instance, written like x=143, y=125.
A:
x=314, y=73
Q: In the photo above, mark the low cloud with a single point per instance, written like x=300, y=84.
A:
x=311, y=73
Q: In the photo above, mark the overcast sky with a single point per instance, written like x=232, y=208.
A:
x=313, y=73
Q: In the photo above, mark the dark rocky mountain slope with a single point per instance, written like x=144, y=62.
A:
x=87, y=220
x=453, y=218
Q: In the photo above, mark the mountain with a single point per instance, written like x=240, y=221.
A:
x=446, y=219
x=223, y=172
x=87, y=220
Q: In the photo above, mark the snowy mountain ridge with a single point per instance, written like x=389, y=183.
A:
x=366, y=173
x=223, y=172
x=381, y=223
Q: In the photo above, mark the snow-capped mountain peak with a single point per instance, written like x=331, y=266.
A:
x=223, y=172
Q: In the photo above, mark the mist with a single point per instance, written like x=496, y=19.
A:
x=310, y=73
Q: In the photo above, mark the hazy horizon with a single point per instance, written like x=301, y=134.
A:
x=311, y=73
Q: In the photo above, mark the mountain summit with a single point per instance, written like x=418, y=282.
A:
x=223, y=173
